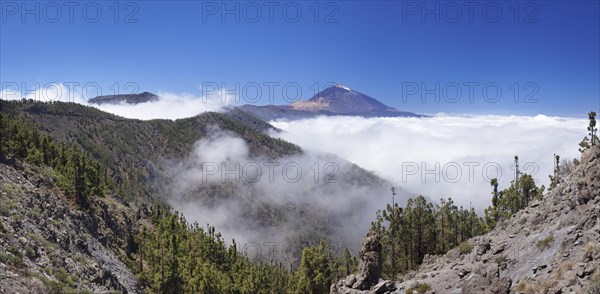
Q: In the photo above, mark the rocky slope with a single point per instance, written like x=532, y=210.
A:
x=47, y=245
x=552, y=246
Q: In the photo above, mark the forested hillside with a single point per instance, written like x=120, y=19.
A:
x=132, y=149
x=58, y=201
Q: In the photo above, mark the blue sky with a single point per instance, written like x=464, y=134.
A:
x=548, y=53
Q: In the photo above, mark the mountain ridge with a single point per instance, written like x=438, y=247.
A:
x=124, y=98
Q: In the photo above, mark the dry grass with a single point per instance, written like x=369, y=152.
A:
x=525, y=287
x=465, y=248
x=528, y=287
x=419, y=288
x=591, y=248
x=567, y=266
x=594, y=287
x=501, y=259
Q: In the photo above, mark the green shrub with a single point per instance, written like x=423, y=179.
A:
x=593, y=288
x=63, y=276
x=30, y=252
x=4, y=210
x=15, y=251
x=501, y=259
x=419, y=288
x=11, y=259
x=545, y=243
x=465, y=248
x=56, y=287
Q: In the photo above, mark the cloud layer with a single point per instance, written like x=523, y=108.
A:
x=463, y=152
x=169, y=106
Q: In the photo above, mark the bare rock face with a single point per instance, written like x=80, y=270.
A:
x=54, y=242
x=370, y=263
x=501, y=285
x=369, y=272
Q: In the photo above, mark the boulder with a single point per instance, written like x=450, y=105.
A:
x=384, y=286
x=483, y=247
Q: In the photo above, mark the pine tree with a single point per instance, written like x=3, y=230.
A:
x=554, y=178
x=393, y=231
x=349, y=262
x=314, y=272
x=586, y=143
x=422, y=229
x=517, y=173
x=494, y=183
x=517, y=196
x=592, y=128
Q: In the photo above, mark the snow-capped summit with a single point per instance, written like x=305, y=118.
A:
x=343, y=87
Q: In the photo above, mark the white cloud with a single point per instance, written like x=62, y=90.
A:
x=394, y=147
x=169, y=106
x=307, y=191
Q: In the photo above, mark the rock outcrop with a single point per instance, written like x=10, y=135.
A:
x=369, y=272
x=551, y=246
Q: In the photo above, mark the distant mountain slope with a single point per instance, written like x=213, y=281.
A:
x=132, y=148
x=552, y=246
x=127, y=98
x=335, y=100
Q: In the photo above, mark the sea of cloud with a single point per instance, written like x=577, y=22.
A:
x=444, y=155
